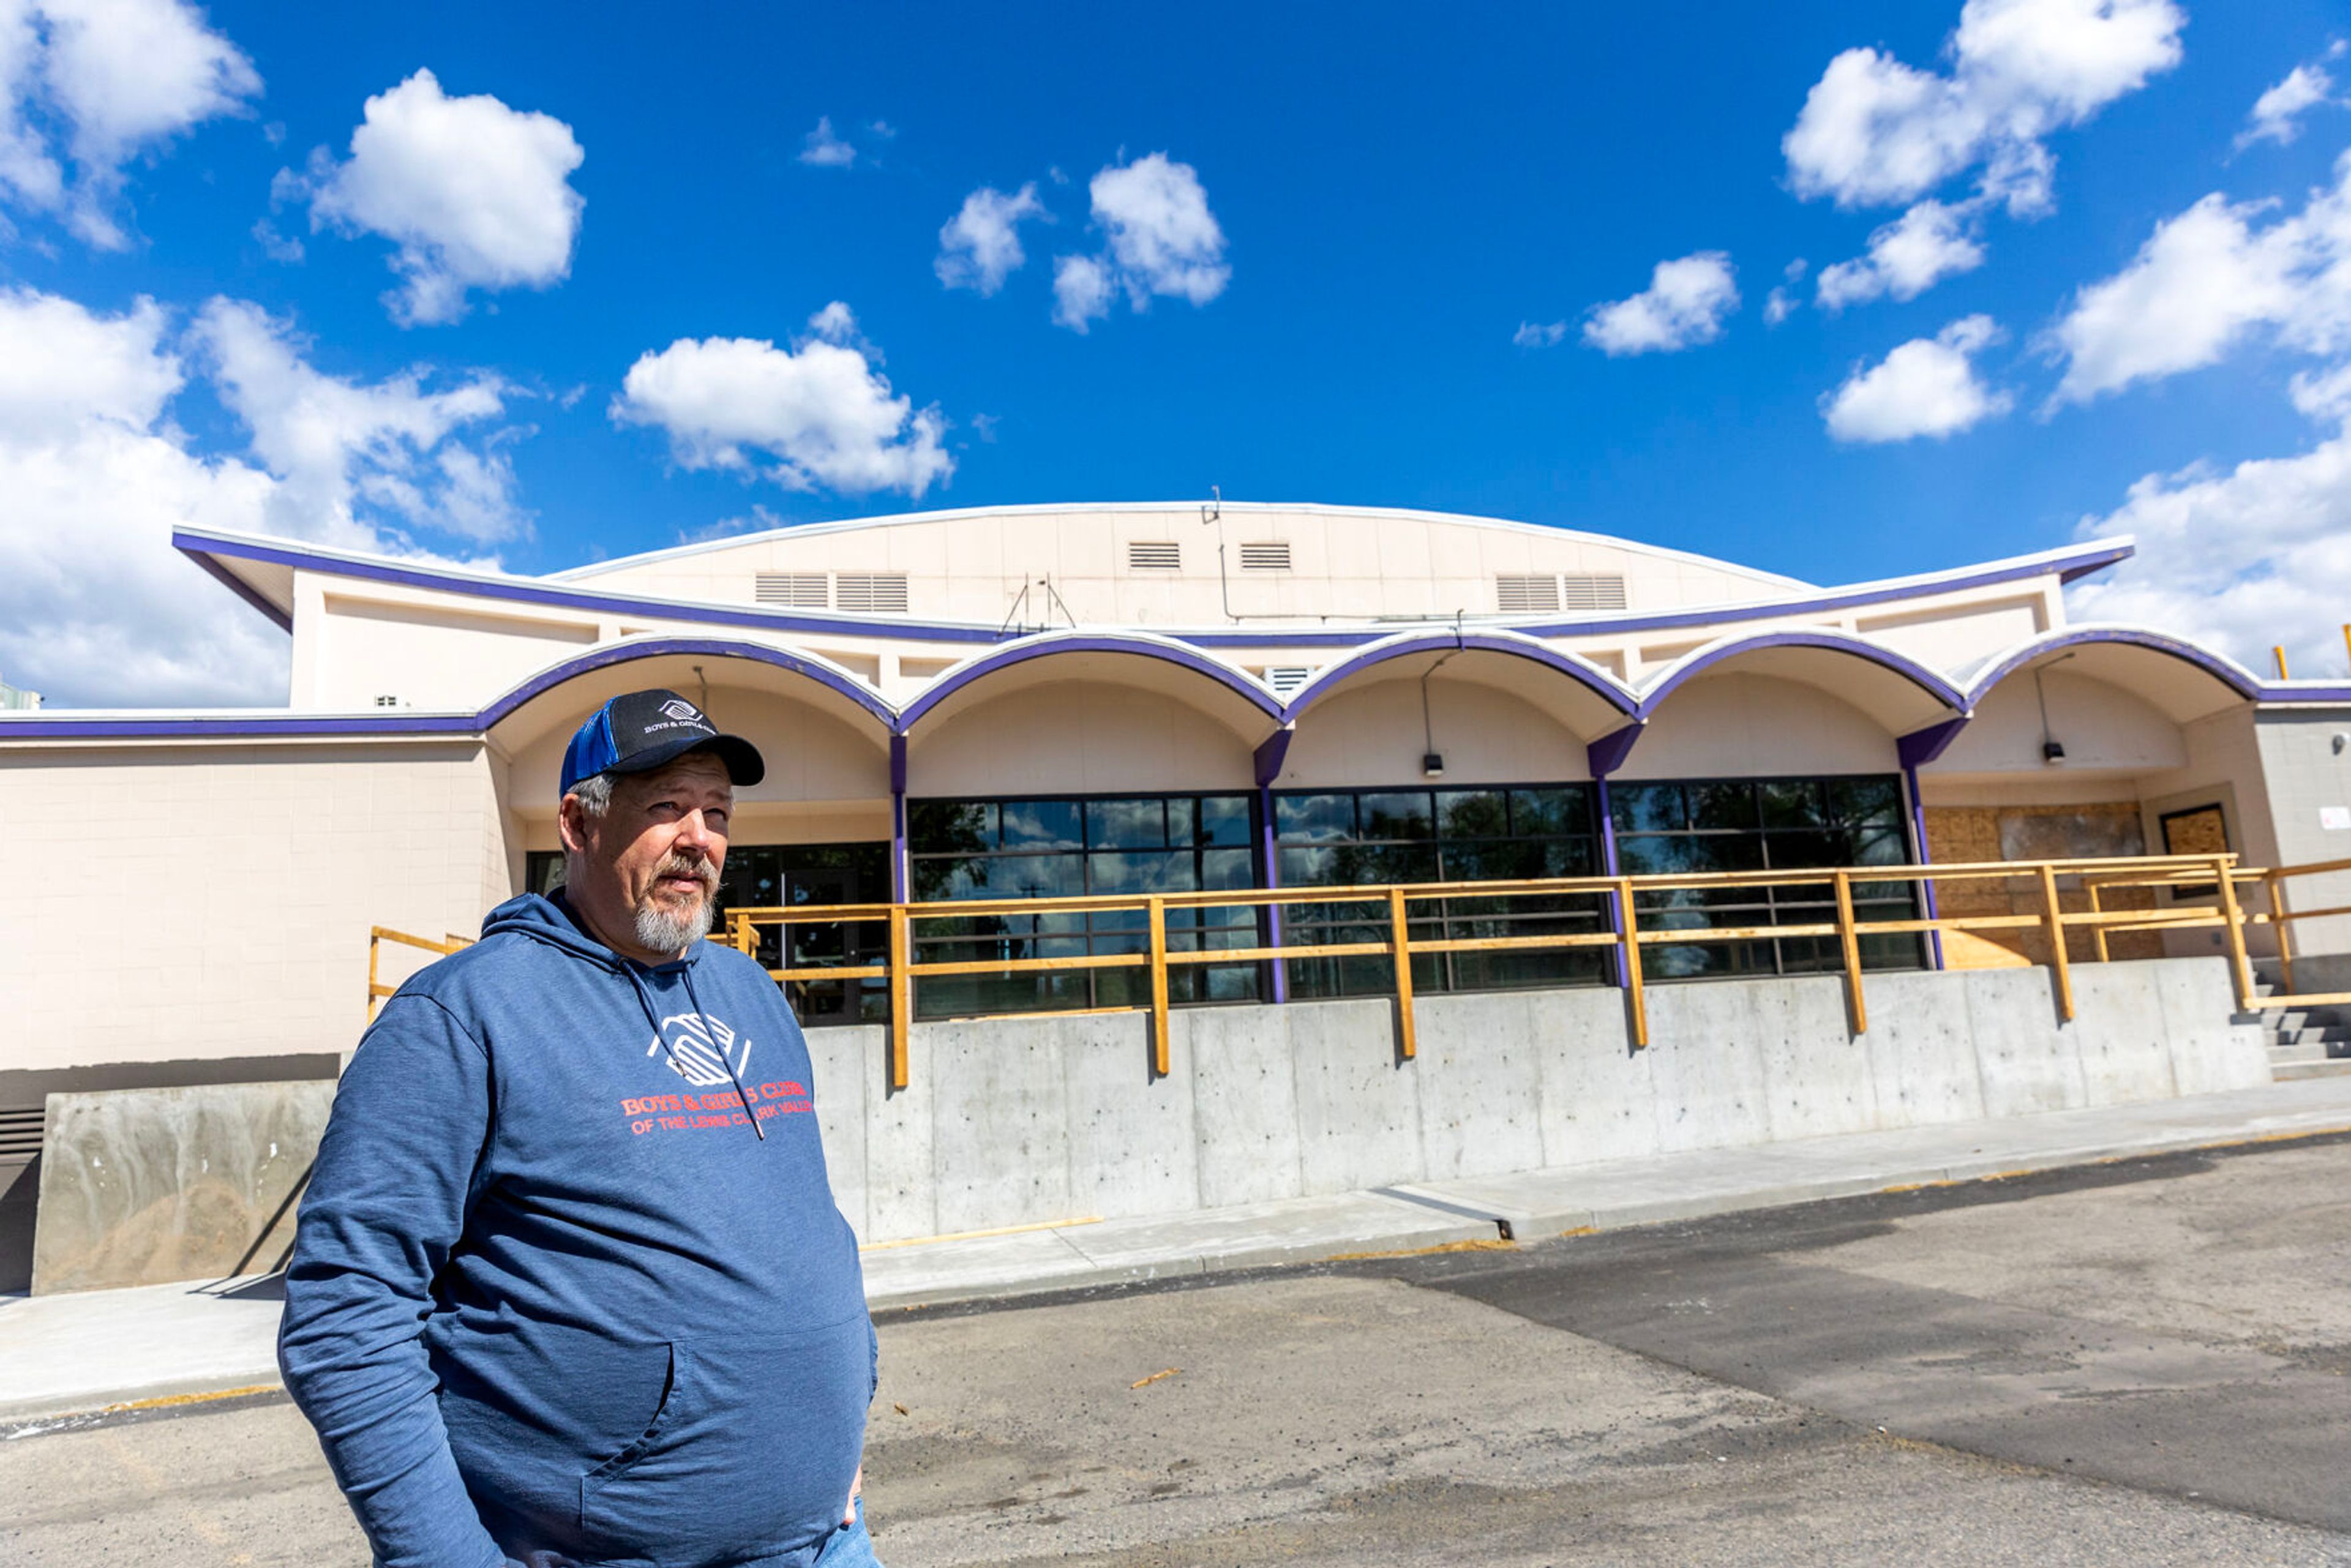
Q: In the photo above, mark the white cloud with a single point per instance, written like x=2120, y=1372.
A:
x=820, y=409
x=112, y=80
x=1927, y=386
x=2276, y=111
x=824, y=149
x=2259, y=554
x=474, y=194
x=1778, y=306
x=2206, y=280
x=95, y=606
x=1874, y=132
x=1163, y=241
x=341, y=447
x=1082, y=291
x=1907, y=257
x=1685, y=305
x=979, y=247
x=1539, y=334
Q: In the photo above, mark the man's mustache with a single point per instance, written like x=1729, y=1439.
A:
x=694, y=866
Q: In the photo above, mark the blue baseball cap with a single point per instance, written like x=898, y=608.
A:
x=637, y=732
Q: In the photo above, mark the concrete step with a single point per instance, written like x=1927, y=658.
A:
x=2293, y=1071
x=2312, y=1034
x=2301, y=1056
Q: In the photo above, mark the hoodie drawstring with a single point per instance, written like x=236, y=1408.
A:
x=712, y=1035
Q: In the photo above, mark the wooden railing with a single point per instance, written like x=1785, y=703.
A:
x=2285, y=915
x=2216, y=877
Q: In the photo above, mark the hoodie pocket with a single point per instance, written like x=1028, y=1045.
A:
x=752, y=1450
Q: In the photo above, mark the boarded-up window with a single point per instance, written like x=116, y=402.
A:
x=1270, y=557
x=874, y=593
x=2197, y=830
x=1519, y=594
x=1155, y=555
x=795, y=589
x=1591, y=591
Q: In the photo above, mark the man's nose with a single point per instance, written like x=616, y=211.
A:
x=695, y=833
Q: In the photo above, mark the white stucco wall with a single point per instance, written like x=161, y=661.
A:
x=1375, y=735
x=1742, y=726
x=1076, y=737
x=214, y=901
x=2103, y=729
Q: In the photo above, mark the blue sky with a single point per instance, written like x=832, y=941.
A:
x=1378, y=249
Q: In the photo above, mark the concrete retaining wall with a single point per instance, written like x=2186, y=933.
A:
x=1013, y=1122
x=143, y=1185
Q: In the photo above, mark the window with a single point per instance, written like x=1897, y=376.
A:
x=871, y=593
x=1587, y=591
x=1160, y=555
x=1522, y=595
x=1764, y=824
x=797, y=589
x=1012, y=849
x=1354, y=838
x=1270, y=557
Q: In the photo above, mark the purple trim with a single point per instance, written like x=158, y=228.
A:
x=531, y=592
x=2212, y=663
x=1272, y=755
x=1607, y=754
x=897, y=764
x=1918, y=674
x=1608, y=864
x=1049, y=646
x=1272, y=872
x=629, y=653
x=1509, y=643
x=1923, y=746
x=450, y=724
x=282, y=620
x=1918, y=848
x=195, y=541
x=899, y=878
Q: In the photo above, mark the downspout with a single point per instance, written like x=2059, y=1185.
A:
x=1914, y=750
x=1269, y=757
x=1605, y=756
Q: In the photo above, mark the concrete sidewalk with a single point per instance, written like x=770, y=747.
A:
x=61, y=1354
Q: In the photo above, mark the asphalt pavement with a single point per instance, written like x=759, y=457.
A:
x=2137, y=1362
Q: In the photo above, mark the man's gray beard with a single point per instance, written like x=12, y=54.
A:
x=661, y=930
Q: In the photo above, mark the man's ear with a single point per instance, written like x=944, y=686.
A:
x=573, y=824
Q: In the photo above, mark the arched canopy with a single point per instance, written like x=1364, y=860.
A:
x=1143, y=663
x=1581, y=696
x=2183, y=681
x=562, y=695
x=1897, y=692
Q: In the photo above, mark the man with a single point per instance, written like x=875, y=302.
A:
x=569, y=1286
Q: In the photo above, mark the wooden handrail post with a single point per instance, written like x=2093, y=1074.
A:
x=1157, y=914
x=901, y=994
x=1849, y=940
x=2098, y=929
x=1399, y=933
x=2224, y=877
x=375, y=945
x=2279, y=924
x=2059, y=964
x=1634, y=995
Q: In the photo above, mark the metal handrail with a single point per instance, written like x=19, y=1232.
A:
x=1626, y=937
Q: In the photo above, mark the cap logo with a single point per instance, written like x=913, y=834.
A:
x=683, y=711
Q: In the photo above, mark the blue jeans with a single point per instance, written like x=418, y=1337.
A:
x=850, y=1546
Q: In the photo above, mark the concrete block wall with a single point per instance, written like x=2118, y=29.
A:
x=1017, y=1121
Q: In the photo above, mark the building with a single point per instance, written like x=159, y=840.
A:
x=1037, y=700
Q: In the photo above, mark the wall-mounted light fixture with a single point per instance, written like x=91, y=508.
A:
x=1432, y=765
x=2052, y=750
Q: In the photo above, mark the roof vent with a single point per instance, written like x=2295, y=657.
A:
x=1592, y=591
x=795, y=589
x=874, y=592
x=1285, y=679
x=1155, y=555
x=1273, y=555
x=1522, y=595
